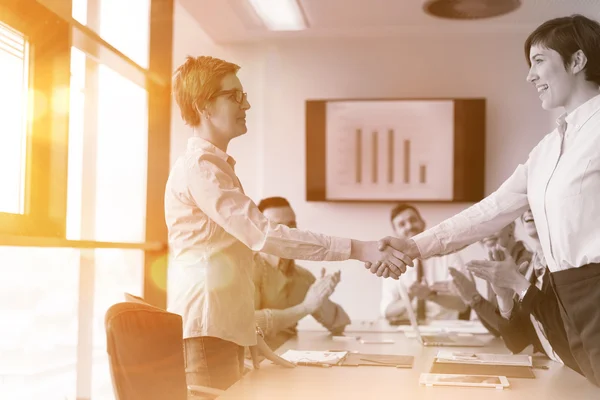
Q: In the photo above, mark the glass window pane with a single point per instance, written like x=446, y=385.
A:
x=14, y=52
x=117, y=272
x=126, y=25
x=121, y=159
x=38, y=334
x=121, y=146
x=123, y=24
x=79, y=11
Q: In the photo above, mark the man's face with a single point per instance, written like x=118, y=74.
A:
x=408, y=224
x=281, y=215
x=504, y=238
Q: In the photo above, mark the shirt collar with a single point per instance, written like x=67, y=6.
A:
x=285, y=266
x=196, y=143
x=578, y=117
x=561, y=123
x=539, y=264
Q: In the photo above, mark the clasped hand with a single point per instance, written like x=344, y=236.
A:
x=387, y=258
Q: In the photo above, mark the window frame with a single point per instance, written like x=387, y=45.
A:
x=45, y=197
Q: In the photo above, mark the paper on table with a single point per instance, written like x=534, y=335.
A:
x=314, y=357
x=422, y=329
x=460, y=357
x=412, y=334
x=453, y=323
x=472, y=329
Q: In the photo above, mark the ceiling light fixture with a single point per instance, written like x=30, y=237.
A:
x=470, y=9
x=280, y=15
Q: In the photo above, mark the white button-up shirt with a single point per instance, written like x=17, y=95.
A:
x=560, y=182
x=213, y=230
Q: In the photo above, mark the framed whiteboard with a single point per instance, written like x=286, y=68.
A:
x=395, y=150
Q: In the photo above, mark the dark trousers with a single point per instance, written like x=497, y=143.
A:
x=578, y=293
x=212, y=362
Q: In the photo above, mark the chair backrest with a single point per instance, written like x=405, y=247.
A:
x=145, y=350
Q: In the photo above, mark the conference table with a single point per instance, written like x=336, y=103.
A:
x=374, y=382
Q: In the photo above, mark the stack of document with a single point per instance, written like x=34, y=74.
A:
x=320, y=358
x=459, y=357
x=468, y=363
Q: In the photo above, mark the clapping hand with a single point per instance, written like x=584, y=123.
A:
x=500, y=270
x=445, y=288
x=420, y=290
x=320, y=290
x=466, y=287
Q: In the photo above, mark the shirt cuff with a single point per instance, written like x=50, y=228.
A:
x=339, y=249
x=529, y=299
x=428, y=244
x=507, y=313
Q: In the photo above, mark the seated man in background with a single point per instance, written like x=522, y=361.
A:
x=285, y=292
x=478, y=293
x=533, y=318
x=425, y=282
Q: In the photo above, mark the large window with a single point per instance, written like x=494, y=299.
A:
x=74, y=156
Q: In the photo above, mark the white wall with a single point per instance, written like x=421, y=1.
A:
x=280, y=76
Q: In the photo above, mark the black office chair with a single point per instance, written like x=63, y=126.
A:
x=145, y=350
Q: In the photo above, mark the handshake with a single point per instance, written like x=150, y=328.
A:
x=388, y=257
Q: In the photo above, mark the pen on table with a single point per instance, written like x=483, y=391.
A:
x=344, y=338
x=347, y=351
x=382, y=341
x=307, y=364
x=391, y=364
x=540, y=367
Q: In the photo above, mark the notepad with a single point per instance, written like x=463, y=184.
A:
x=307, y=357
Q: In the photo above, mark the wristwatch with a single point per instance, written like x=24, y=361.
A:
x=476, y=298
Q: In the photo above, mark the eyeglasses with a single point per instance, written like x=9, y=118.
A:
x=237, y=95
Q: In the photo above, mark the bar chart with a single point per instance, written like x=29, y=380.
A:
x=390, y=162
x=389, y=150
